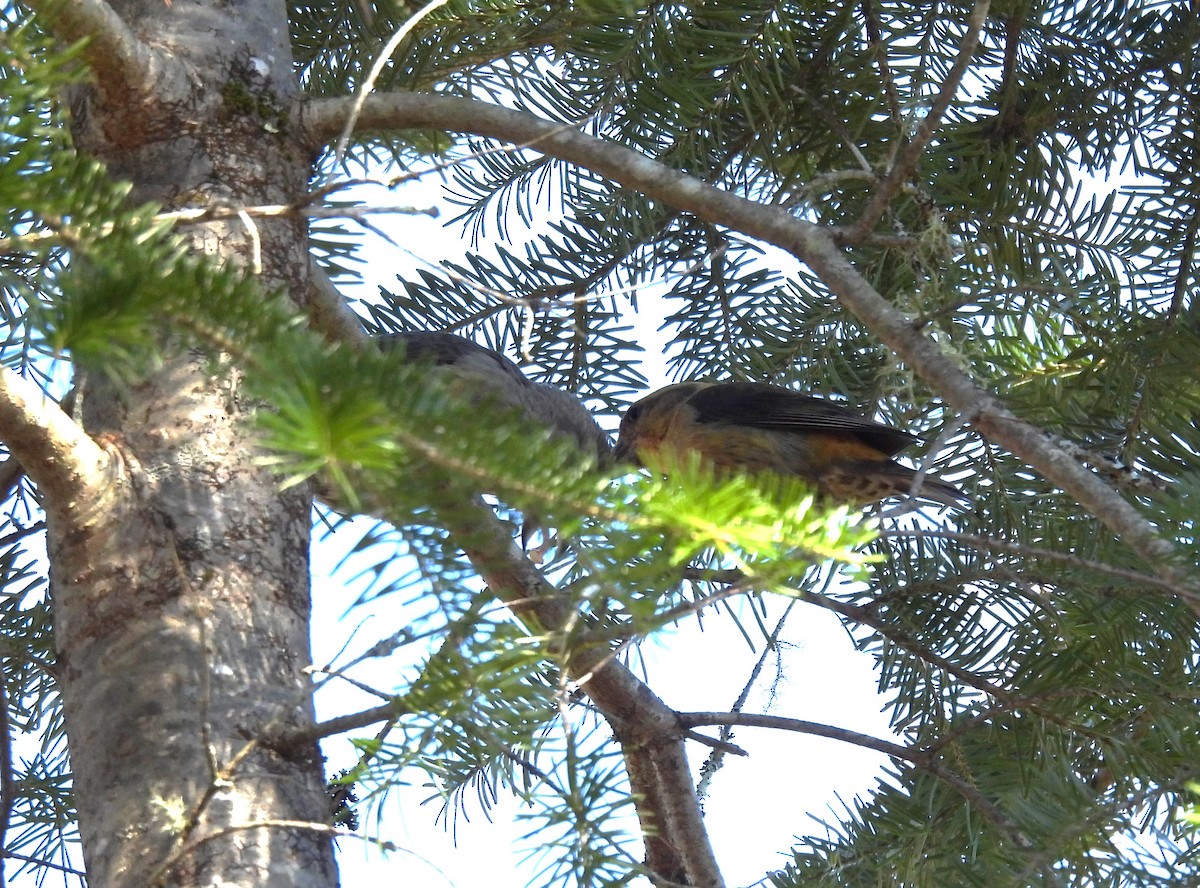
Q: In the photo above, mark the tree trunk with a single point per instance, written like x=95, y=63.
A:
x=181, y=590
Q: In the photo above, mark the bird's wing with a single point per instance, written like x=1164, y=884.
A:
x=448, y=350
x=494, y=376
x=763, y=406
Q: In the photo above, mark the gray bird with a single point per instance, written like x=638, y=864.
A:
x=483, y=375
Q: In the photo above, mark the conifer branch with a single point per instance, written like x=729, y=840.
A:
x=647, y=729
x=875, y=38
x=917, y=757
x=120, y=62
x=1034, y=554
x=65, y=463
x=809, y=243
x=911, y=153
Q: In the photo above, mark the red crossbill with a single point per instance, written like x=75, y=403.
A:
x=482, y=375
x=753, y=427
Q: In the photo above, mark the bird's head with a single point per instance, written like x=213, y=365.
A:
x=648, y=421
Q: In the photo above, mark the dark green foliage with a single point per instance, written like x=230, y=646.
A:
x=1069, y=297
x=1042, y=678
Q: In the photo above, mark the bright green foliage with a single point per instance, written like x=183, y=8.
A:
x=1042, y=679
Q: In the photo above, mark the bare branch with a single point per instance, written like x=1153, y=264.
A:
x=120, y=61
x=719, y=747
x=751, y=720
x=67, y=465
x=907, y=161
x=921, y=759
x=328, y=312
x=340, y=725
x=716, y=758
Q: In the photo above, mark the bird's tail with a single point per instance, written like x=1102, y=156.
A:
x=892, y=479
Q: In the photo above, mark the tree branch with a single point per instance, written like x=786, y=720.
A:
x=662, y=857
x=921, y=759
x=67, y=465
x=717, y=757
x=328, y=312
x=1033, y=553
x=907, y=161
x=341, y=724
x=752, y=720
x=648, y=730
x=120, y=61
x=813, y=245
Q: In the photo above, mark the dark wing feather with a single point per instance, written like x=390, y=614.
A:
x=448, y=350
x=762, y=406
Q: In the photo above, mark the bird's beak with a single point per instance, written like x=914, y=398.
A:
x=624, y=452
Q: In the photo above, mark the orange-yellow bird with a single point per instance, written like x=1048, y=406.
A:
x=753, y=427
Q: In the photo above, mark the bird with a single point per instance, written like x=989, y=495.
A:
x=482, y=375
x=753, y=427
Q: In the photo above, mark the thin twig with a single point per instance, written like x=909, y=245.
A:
x=779, y=722
x=342, y=724
x=715, y=759
x=368, y=84
x=1023, y=550
x=918, y=758
x=907, y=161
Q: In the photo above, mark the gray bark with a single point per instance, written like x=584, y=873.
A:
x=180, y=582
